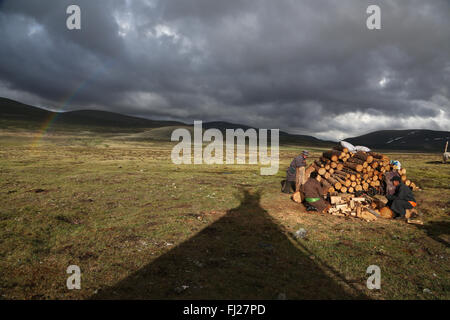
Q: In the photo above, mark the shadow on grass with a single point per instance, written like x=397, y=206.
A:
x=437, y=162
x=436, y=229
x=243, y=255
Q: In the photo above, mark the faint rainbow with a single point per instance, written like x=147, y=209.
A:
x=49, y=121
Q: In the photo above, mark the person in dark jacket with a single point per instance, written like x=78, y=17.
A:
x=299, y=162
x=389, y=185
x=313, y=192
x=403, y=198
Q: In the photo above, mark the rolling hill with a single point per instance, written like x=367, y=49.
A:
x=18, y=112
x=14, y=114
x=285, y=138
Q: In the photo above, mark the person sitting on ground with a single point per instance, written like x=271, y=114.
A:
x=402, y=202
x=313, y=192
x=292, y=179
x=389, y=186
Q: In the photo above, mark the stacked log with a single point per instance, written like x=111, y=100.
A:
x=345, y=172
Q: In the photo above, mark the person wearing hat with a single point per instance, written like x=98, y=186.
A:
x=295, y=174
x=402, y=200
x=389, y=186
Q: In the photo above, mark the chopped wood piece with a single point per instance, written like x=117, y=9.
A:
x=386, y=213
x=297, y=197
x=415, y=221
x=335, y=199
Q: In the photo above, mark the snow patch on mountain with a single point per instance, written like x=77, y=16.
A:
x=395, y=139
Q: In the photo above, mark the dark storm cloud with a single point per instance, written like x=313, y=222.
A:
x=309, y=66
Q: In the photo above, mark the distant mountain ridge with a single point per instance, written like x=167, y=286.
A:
x=13, y=113
x=414, y=139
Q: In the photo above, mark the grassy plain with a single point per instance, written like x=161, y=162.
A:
x=141, y=227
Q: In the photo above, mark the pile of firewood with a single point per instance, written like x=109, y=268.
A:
x=346, y=172
x=365, y=207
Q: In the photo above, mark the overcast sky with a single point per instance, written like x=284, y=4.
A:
x=307, y=67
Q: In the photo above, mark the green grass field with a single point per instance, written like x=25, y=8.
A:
x=139, y=226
